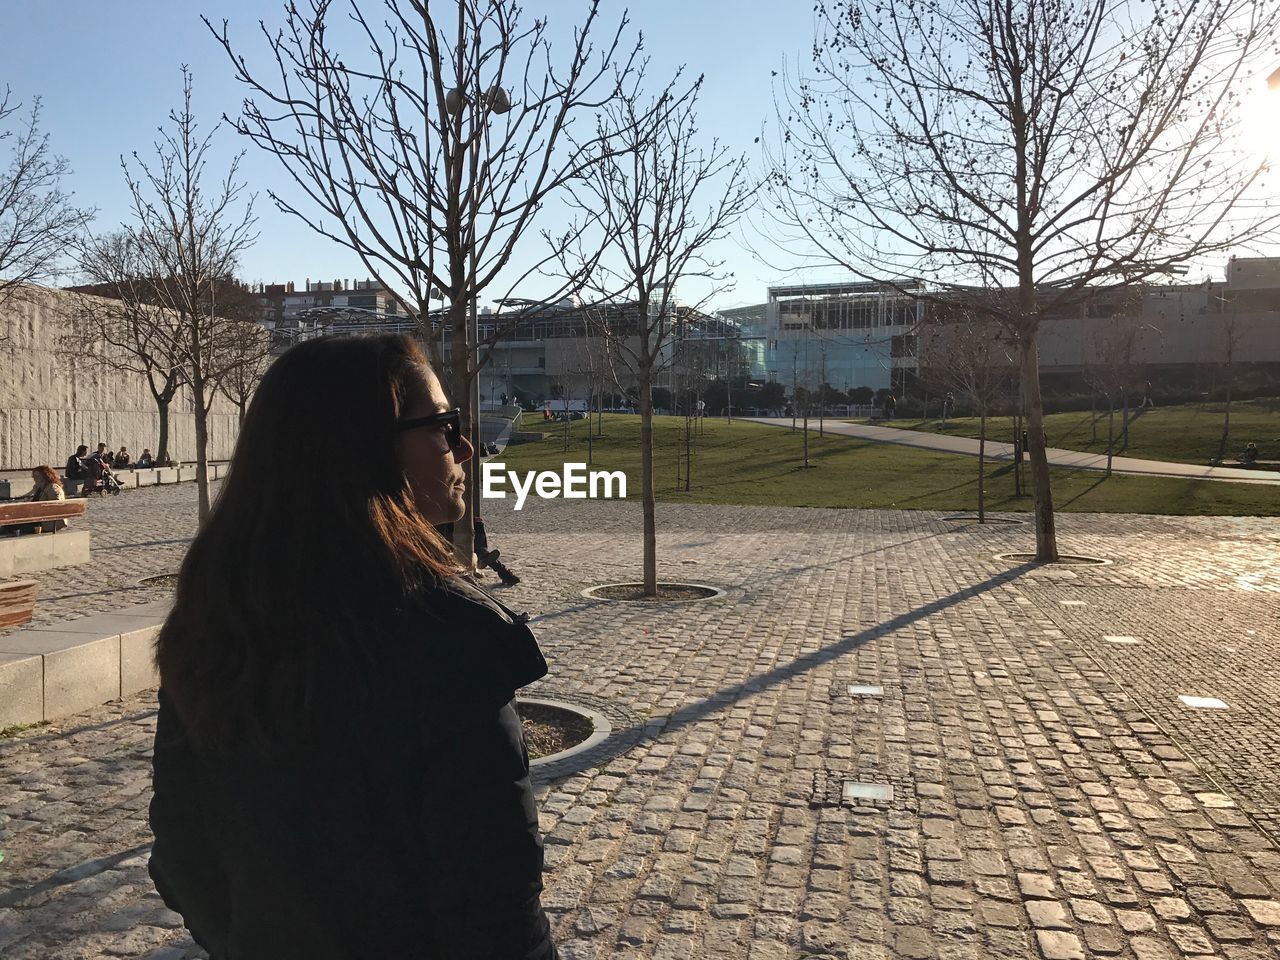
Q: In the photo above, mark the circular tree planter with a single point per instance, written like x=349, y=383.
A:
x=668, y=592
x=579, y=728
x=1064, y=559
x=159, y=580
x=968, y=518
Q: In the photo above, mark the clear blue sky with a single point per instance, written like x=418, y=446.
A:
x=108, y=73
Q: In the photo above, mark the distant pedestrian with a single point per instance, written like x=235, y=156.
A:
x=75, y=468
x=339, y=769
x=1147, y=400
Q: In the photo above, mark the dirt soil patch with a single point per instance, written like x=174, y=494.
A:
x=666, y=591
x=549, y=730
x=1064, y=559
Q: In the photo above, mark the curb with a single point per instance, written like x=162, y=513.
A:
x=61, y=669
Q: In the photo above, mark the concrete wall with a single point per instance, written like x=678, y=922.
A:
x=51, y=400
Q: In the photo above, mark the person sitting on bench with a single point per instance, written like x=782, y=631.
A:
x=75, y=468
x=1250, y=454
x=46, y=485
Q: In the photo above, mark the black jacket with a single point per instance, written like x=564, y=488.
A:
x=411, y=834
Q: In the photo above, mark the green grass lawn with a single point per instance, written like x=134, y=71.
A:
x=1184, y=434
x=746, y=463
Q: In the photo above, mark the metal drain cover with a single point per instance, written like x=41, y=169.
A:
x=865, y=690
x=855, y=790
x=868, y=787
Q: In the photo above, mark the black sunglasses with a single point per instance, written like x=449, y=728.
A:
x=451, y=420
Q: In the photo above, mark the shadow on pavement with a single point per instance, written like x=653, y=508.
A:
x=700, y=710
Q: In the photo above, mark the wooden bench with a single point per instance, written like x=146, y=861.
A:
x=39, y=512
x=17, y=602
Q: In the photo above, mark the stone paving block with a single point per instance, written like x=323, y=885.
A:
x=38, y=553
x=21, y=689
x=81, y=670
x=137, y=664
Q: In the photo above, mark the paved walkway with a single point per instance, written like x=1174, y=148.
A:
x=1052, y=796
x=1073, y=459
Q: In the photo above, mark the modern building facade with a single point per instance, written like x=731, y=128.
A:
x=1181, y=332
x=848, y=335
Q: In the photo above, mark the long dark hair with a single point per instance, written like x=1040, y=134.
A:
x=307, y=560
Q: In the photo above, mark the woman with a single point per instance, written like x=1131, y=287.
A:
x=338, y=768
x=121, y=460
x=46, y=484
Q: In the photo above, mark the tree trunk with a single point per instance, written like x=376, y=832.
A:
x=806, y=437
x=688, y=454
x=1111, y=432
x=201, y=406
x=460, y=395
x=1226, y=426
x=646, y=483
x=1017, y=460
x=982, y=466
x=1124, y=419
x=1046, y=535
x=162, y=445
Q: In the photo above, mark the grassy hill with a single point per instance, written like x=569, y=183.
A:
x=747, y=463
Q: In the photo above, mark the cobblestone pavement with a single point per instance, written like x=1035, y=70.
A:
x=1051, y=795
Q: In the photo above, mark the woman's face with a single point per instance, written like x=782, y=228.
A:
x=434, y=471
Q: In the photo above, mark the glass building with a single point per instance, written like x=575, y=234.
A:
x=854, y=334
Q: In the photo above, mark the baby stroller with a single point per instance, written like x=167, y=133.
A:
x=99, y=479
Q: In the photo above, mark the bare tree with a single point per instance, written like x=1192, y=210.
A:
x=244, y=348
x=124, y=327
x=660, y=201
x=1107, y=374
x=430, y=152
x=590, y=363
x=1043, y=148
x=38, y=221
x=968, y=355
x=190, y=241
x=1231, y=329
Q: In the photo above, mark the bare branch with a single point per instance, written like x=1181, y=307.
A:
x=38, y=220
